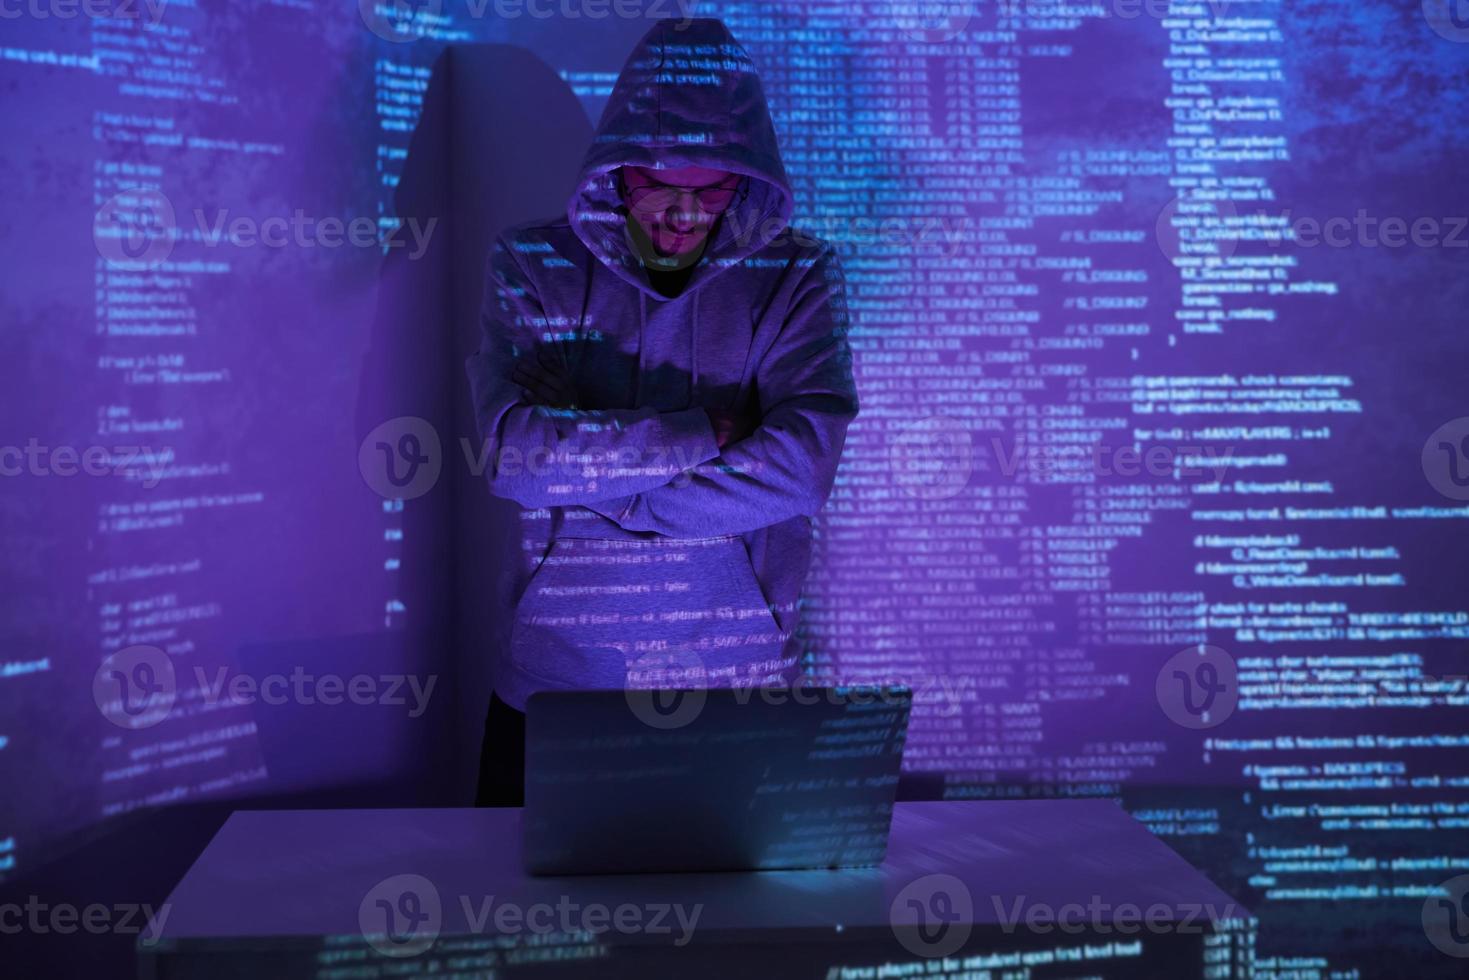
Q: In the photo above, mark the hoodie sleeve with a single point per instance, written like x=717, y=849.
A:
x=547, y=457
x=787, y=466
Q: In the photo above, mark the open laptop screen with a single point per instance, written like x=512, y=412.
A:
x=686, y=780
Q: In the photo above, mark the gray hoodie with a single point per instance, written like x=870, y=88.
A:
x=651, y=558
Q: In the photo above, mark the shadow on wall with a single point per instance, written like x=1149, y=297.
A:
x=402, y=378
x=499, y=141
x=518, y=135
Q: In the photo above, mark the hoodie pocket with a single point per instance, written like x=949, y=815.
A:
x=610, y=613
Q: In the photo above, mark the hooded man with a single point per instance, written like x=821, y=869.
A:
x=664, y=383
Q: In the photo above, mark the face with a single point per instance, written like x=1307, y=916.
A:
x=677, y=207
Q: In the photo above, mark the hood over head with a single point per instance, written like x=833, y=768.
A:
x=688, y=96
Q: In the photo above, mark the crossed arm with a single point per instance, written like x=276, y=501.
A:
x=740, y=474
x=546, y=453
x=547, y=383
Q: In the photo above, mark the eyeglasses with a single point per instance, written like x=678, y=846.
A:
x=657, y=198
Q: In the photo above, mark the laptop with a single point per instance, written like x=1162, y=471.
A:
x=711, y=779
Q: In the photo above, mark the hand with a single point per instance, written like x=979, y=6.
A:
x=545, y=381
x=730, y=427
